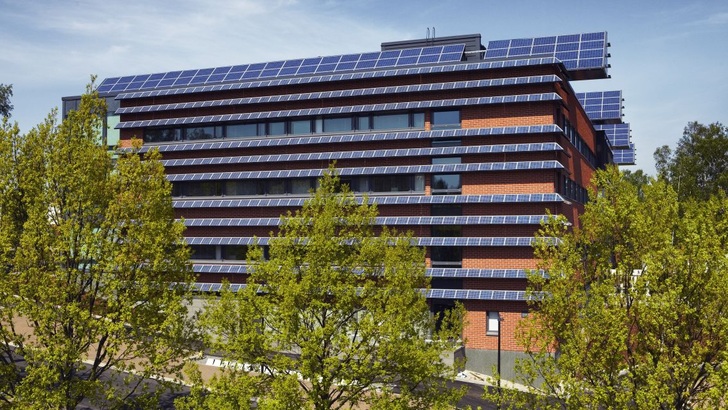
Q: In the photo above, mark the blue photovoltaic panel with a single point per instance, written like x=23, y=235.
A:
x=341, y=94
x=624, y=156
x=576, y=51
x=383, y=200
x=602, y=105
x=422, y=241
x=389, y=220
x=388, y=153
x=394, y=72
x=387, y=170
x=617, y=134
x=426, y=55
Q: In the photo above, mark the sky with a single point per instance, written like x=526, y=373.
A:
x=669, y=57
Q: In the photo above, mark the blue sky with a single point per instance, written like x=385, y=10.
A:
x=668, y=57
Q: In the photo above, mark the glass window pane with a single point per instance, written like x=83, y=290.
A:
x=446, y=210
x=418, y=120
x=162, y=134
x=235, y=252
x=203, y=252
x=390, y=183
x=445, y=119
x=337, y=124
x=242, y=130
x=203, y=188
x=446, y=254
x=446, y=160
x=301, y=186
x=203, y=133
x=276, y=187
x=363, y=124
x=276, y=128
x=447, y=231
x=446, y=181
x=245, y=187
x=112, y=134
x=301, y=127
x=390, y=121
x=493, y=322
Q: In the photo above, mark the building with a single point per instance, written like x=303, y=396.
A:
x=467, y=146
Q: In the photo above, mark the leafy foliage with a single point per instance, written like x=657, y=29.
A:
x=88, y=250
x=633, y=312
x=6, y=91
x=334, y=318
x=698, y=167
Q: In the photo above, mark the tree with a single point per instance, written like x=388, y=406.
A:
x=334, y=318
x=632, y=311
x=6, y=91
x=90, y=254
x=699, y=166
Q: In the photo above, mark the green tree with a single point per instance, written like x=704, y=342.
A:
x=89, y=253
x=698, y=167
x=6, y=91
x=632, y=313
x=336, y=317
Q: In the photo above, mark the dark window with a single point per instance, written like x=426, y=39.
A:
x=301, y=127
x=390, y=121
x=445, y=120
x=447, y=256
x=276, y=187
x=162, y=134
x=243, y=187
x=301, y=185
x=203, y=251
x=340, y=124
x=450, y=142
x=446, y=183
x=199, y=188
x=276, y=128
x=234, y=252
x=446, y=210
x=203, y=133
x=446, y=231
x=389, y=183
x=242, y=130
x=418, y=120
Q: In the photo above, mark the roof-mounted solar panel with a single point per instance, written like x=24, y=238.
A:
x=619, y=135
x=274, y=69
x=583, y=55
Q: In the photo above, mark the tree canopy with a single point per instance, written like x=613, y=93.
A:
x=632, y=312
x=6, y=91
x=89, y=250
x=698, y=167
x=334, y=318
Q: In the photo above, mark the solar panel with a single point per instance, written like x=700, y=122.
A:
x=624, y=156
x=406, y=169
x=602, y=105
x=423, y=241
x=619, y=135
x=427, y=55
x=576, y=51
x=392, y=220
x=338, y=110
x=337, y=94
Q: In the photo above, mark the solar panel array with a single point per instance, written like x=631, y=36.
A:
x=400, y=89
x=602, y=105
x=576, y=51
x=461, y=294
x=424, y=241
x=296, y=67
x=381, y=200
x=624, y=156
x=384, y=153
x=348, y=138
x=307, y=112
x=387, y=170
x=617, y=134
x=385, y=220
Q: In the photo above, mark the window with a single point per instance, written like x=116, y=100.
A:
x=446, y=142
x=448, y=231
x=446, y=183
x=277, y=128
x=446, y=210
x=276, y=187
x=301, y=185
x=446, y=256
x=203, y=252
x=418, y=120
x=301, y=127
x=390, y=121
x=242, y=130
x=203, y=133
x=493, y=324
x=340, y=124
x=162, y=134
x=391, y=183
x=234, y=252
x=446, y=160
x=445, y=120
x=201, y=188
x=244, y=187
